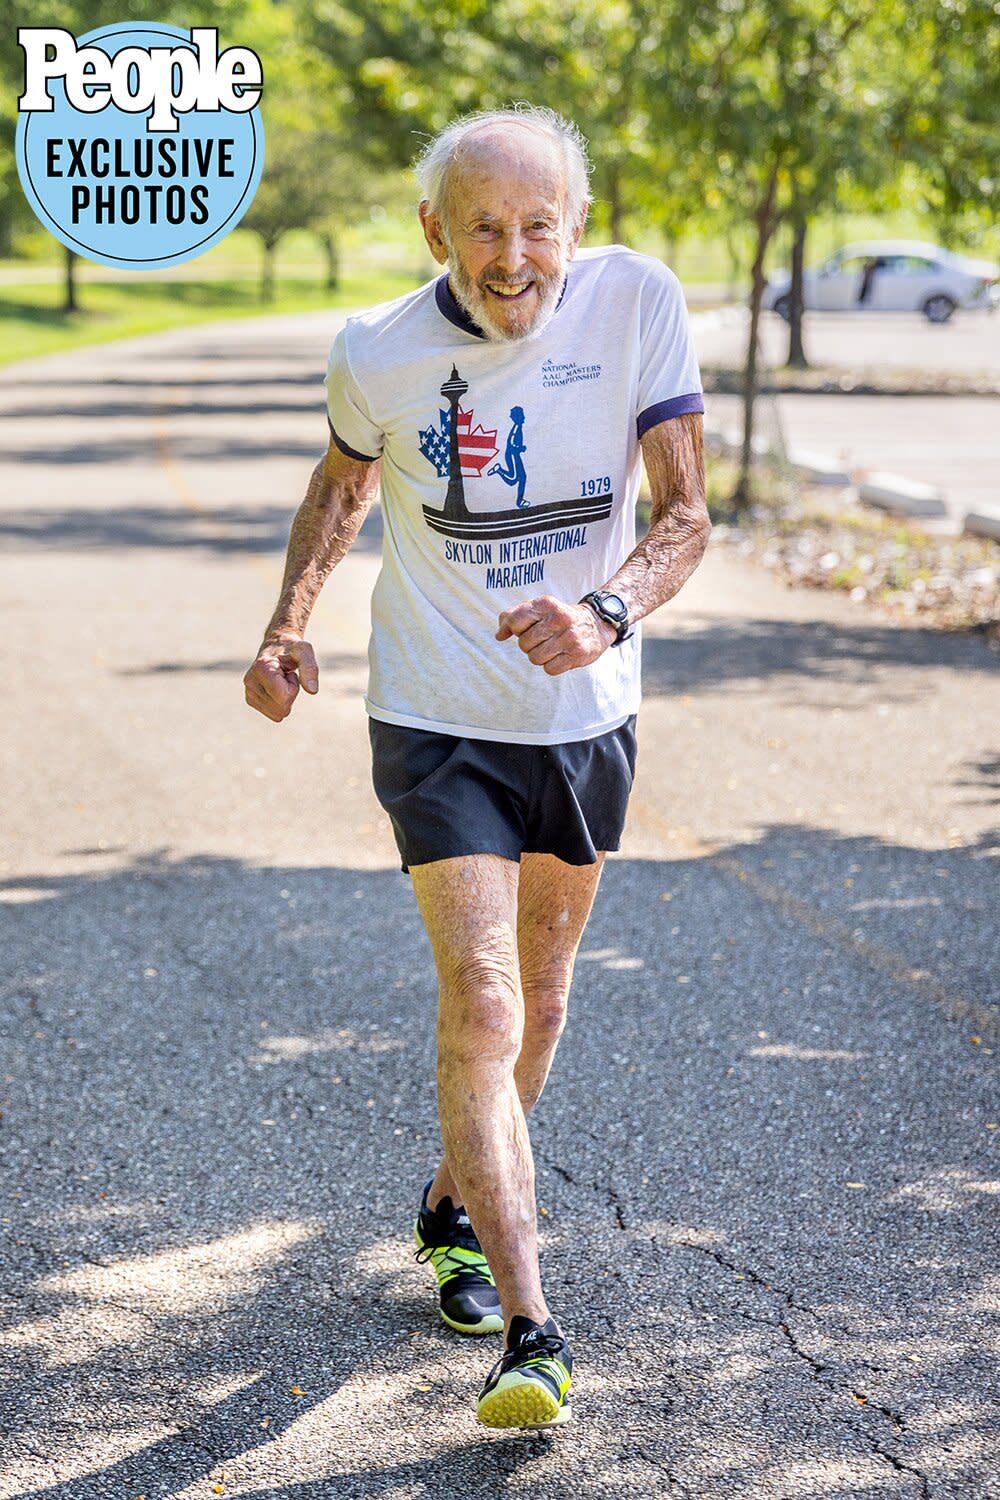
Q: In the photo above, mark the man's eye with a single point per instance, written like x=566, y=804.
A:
x=483, y=231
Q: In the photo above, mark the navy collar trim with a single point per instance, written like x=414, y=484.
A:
x=451, y=309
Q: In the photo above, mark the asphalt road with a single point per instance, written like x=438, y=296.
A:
x=947, y=440
x=768, y=1153
x=968, y=345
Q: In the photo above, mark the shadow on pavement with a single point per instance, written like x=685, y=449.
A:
x=749, y=651
x=234, y=528
x=137, y=382
x=341, y=662
x=985, y=776
x=768, y=1189
x=239, y=448
x=191, y=403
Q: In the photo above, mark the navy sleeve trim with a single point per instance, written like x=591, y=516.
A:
x=675, y=407
x=348, y=452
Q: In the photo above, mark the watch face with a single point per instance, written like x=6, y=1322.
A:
x=615, y=606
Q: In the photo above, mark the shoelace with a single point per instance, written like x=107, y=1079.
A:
x=537, y=1346
x=441, y=1256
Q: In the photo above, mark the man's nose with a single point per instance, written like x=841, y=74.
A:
x=510, y=250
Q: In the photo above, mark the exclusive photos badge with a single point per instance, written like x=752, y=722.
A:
x=138, y=145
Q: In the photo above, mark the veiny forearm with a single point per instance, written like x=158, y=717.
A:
x=325, y=527
x=679, y=525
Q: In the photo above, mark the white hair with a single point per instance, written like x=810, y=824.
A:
x=435, y=161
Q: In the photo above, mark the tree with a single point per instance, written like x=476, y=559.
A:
x=756, y=81
x=410, y=68
x=951, y=127
x=291, y=194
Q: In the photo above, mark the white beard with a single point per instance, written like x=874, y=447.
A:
x=474, y=302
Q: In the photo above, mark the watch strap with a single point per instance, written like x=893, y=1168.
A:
x=595, y=599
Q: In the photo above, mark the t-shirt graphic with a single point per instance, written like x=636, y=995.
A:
x=508, y=471
x=458, y=449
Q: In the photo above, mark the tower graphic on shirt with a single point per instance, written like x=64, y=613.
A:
x=459, y=451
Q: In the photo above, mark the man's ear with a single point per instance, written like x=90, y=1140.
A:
x=430, y=223
x=574, y=238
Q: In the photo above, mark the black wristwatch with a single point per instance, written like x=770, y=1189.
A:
x=612, y=609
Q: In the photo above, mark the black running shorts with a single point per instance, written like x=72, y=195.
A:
x=448, y=796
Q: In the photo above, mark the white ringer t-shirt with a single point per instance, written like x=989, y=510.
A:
x=534, y=494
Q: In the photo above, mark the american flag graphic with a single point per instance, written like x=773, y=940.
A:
x=476, y=446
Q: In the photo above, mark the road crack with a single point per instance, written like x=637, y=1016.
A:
x=817, y=1368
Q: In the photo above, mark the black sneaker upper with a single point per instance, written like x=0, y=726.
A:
x=467, y=1291
x=531, y=1343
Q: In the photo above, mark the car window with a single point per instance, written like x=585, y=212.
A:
x=911, y=265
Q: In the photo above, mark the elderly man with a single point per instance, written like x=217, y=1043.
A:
x=505, y=646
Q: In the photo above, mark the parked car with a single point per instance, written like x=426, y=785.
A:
x=891, y=276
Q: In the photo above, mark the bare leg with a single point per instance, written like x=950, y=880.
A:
x=553, y=903
x=469, y=906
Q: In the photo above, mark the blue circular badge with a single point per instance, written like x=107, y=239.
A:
x=107, y=184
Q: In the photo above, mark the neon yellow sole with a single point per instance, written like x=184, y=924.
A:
x=492, y=1323
x=518, y=1401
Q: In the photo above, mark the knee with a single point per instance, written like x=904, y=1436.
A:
x=481, y=1016
x=545, y=1012
x=546, y=987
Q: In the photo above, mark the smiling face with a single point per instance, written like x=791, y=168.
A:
x=504, y=234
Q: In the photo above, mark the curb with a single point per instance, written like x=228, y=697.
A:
x=818, y=468
x=907, y=497
x=893, y=493
x=977, y=524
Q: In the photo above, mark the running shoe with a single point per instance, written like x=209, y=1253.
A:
x=529, y=1384
x=446, y=1238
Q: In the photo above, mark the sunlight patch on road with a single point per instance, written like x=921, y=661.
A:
x=22, y=895
x=807, y=1054
x=276, y=1049
x=673, y=1233
x=407, y=1407
x=135, y=1301
x=946, y=1191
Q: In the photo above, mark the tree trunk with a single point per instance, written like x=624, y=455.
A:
x=735, y=268
x=764, y=222
x=69, y=283
x=615, y=200
x=332, y=252
x=267, y=271
x=796, y=349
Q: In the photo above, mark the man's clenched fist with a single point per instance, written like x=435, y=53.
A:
x=555, y=635
x=281, y=668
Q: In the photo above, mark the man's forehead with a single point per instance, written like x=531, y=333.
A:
x=508, y=163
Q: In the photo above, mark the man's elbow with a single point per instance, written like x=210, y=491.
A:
x=704, y=523
x=697, y=521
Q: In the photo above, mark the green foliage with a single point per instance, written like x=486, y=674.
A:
x=690, y=109
x=32, y=321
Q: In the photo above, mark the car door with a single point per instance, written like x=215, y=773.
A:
x=836, y=282
x=904, y=283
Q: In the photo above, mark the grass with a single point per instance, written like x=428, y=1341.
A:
x=32, y=323
x=381, y=259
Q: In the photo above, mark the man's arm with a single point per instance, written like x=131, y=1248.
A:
x=337, y=500
x=558, y=635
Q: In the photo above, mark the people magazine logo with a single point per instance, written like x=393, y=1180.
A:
x=138, y=145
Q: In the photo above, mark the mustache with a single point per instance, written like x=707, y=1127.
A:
x=509, y=280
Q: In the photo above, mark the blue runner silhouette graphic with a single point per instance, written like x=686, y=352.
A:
x=511, y=471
